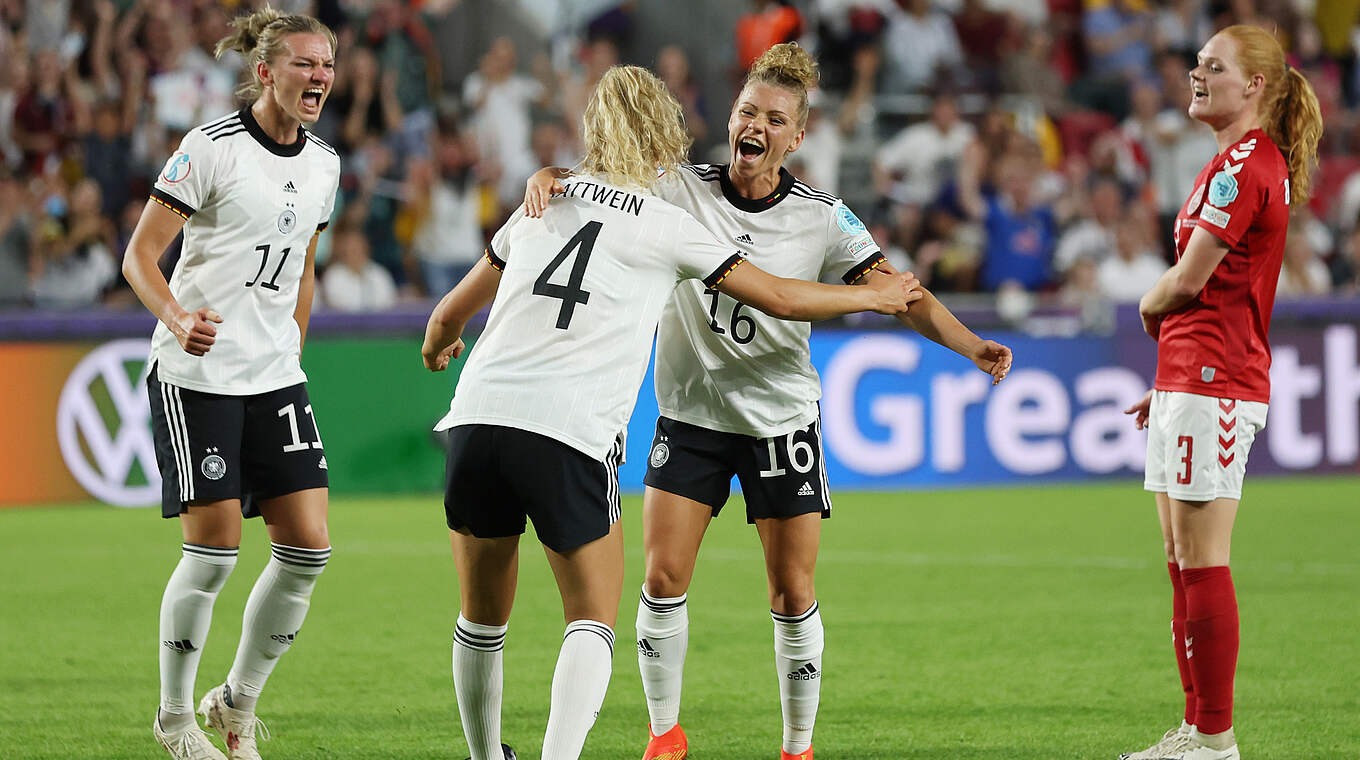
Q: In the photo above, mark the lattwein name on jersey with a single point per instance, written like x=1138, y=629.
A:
x=604, y=195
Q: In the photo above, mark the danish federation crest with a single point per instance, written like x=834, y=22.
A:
x=287, y=221
x=661, y=453
x=848, y=221
x=1222, y=189
x=177, y=168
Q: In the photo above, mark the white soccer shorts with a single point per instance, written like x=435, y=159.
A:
x=1198, y=445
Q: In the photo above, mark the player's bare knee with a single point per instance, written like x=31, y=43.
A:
x=665, y=582
x=792, y=600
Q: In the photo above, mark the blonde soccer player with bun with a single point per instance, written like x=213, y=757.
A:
x=234, y=430
x=536, y=424
x=738, y=395
x=1210, y=316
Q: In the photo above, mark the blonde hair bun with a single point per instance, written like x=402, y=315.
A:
x=789, y=67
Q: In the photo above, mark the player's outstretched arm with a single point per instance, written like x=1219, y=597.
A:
x=157, y=228
x=935, y=321
x=444, y=331
x=802, y=301
x=540, y=187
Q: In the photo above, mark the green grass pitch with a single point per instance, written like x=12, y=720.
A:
x=999, y=623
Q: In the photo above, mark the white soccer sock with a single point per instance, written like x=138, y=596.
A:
x=578, y=687
x=477, y=682
x=662, y=638
x=274, y=613
x=798, y=660
x=186, y=613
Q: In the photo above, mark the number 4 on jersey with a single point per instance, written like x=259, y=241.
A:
x=571, y=293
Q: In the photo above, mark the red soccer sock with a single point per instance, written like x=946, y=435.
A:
x=1178, y=640
x=1211, y=637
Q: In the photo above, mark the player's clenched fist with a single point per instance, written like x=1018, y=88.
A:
x=196, y=331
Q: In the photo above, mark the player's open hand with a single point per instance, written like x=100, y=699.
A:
x=196, y=331
x=437, y=359
x=538, y=189
x=895, y=292
x=993, y=358
x=1140, y=411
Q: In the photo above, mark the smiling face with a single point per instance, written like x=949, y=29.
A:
x=1221, y=92
x=301, y=76
x=763, y=129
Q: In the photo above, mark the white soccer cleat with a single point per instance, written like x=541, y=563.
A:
x=1199, y=748
x=189, y=743
x=1172, y=743
x=236, y=727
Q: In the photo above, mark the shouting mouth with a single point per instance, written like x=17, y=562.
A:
x=749, y=149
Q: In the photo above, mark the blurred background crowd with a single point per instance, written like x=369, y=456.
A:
x=1022, y=150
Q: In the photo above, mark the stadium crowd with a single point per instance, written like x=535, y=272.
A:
x=995, y=146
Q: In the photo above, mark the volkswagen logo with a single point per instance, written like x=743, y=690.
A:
x=103, y=425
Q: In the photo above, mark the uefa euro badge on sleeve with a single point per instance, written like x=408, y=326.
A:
x=1222, y=189
x=848, y=221
x=177, y=168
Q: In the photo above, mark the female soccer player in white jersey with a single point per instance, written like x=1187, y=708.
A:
x=536, y=424
x=1210, y=316
x=235, y=434
x=738, y=396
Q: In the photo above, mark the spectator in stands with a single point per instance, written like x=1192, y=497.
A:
x=1303, y=272
x=47, y=112
x=672, y=65
x=107, y=155
x=769, y=23
x=191, y=85
x=920, y=49
x=1345, y=265
x=985, y=36
x=818, y=160
x=1118, y=36
x=1027, y=70
x=364, y=102
x=352, y=281
x=447, y=195
x=14, y=83
x=1092, y=236
x=597, y=55
x=552, y=145
x=1135, y=266
x=499, y=99
x=914, y=164
x=74, y=262
x=15, y=241
x=1020, y=230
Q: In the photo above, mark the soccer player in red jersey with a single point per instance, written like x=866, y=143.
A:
x=1210, y=314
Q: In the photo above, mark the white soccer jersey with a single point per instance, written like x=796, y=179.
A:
x=566, y=345
x=728, y=367
x=252, y=207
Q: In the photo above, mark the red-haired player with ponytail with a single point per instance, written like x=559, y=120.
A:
x=1210, y=315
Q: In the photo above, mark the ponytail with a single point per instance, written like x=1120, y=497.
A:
x=258, y=37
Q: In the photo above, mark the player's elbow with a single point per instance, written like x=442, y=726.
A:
x=1185, y=285
x=781, y=303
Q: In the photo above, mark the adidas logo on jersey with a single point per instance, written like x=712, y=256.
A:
x=805, y=673
x=183, y=647
x=288, y=188
x=806, y=489
x=745, y=239
x=645, y=649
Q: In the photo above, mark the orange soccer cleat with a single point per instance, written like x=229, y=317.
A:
x=671, y=745
x=804, y=755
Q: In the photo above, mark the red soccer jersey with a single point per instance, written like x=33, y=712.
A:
x=1217, y=344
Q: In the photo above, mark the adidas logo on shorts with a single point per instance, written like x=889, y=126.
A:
x=806, y=489
x=805, y=673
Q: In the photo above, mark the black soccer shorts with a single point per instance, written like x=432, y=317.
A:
x=498, y=477
x=211, y=446
x=783, y=476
